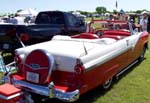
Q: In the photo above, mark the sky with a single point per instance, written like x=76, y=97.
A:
x=11, y=6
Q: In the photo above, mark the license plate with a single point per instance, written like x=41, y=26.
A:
x=32, y=77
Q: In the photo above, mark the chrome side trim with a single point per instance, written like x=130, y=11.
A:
x=48, y=91
x=128, y=67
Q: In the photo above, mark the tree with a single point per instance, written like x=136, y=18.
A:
x=138, y=11
x=101, y=10
x=19, y=10
x=84, y=12
x=114, y=11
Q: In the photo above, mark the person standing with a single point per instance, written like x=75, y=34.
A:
x=148, y=24
x=144, y=21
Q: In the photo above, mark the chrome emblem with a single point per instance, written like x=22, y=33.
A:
x=35, y=66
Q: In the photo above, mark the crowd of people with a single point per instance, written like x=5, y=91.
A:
x=145, y=22
x=142, y=20
x=17, y=19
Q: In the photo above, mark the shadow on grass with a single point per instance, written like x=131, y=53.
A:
x=92, y=95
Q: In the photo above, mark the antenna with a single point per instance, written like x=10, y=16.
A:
x=85, y=49
x=20, y=40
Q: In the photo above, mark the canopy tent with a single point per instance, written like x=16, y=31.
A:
x=28, y=12
x=145, y=12
x=107, y=14
x=122, y=11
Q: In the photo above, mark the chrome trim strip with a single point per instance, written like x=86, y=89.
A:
x=43, y=90
x=51, y=62
x=35, y=68
x=129, y=66
x=11, y=96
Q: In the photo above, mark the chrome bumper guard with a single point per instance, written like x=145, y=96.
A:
x=48, y=91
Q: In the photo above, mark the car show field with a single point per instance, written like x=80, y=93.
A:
x=107, y=63
x=98, y=58
x=132, y=87
x=67, y=52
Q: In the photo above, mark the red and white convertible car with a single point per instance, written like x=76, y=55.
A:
x=67, y=67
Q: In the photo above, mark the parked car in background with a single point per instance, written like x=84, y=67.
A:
x=68, y=66
x=47, y=24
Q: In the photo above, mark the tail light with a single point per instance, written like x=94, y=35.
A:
x=79, y=68
x=25, y=37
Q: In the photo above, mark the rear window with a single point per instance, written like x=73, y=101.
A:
x=50, y=18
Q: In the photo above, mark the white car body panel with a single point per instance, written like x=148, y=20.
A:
x=66, y=50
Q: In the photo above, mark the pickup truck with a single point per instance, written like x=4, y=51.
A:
x=47, y=24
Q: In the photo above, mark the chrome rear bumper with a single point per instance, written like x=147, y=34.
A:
x=48, y=91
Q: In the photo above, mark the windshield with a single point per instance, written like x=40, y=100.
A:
x=109, y=25
x=50, y=18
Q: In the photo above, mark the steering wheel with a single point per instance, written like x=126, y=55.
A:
x=99, y=33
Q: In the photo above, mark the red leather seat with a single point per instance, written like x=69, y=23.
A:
x=111, y=36
x=86, y=36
